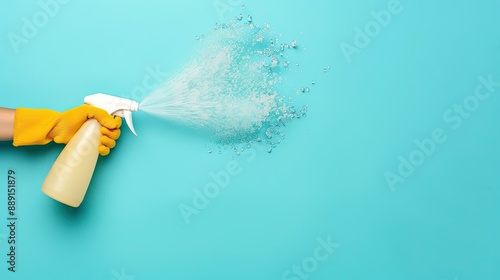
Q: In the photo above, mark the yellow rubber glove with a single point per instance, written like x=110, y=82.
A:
x=41, y=126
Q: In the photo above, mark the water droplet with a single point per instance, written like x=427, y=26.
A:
x=243, y=7
x=297, y=64
x=274, y=62
x=325, y=70
x=307, y=89
x=242, y=149
x=285, y=64
x=220, y=152
x=269, y=133
x=197, y=38
x=249, y=18
x=240, y=17
x=258, y=139
x=249, y=146
x=238, y=153
x=268, y=52
x=313, y=82
x=209, y=151
x=270, y=150
x=303, y=90
x=293, y=44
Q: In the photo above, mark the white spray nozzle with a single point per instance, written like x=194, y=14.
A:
x=115, y=106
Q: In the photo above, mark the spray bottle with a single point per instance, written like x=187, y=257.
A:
x=70, y=175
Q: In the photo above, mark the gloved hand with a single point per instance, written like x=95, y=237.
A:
x=41, y=126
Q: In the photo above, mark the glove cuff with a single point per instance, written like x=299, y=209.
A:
x=32, y=126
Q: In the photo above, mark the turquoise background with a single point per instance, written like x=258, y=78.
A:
x=325, y=181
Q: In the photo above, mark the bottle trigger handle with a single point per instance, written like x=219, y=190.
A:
x=128, y=119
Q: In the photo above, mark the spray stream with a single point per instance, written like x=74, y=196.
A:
x=230, y=86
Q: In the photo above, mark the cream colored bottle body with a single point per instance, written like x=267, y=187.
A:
x=69, y=177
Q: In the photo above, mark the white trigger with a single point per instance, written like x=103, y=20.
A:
x=128, y=119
